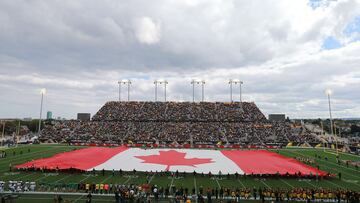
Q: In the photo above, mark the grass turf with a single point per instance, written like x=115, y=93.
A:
x=350, y=175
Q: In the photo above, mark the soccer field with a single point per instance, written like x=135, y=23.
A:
x=350, y=175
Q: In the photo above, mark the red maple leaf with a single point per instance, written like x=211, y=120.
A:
x=173, y=158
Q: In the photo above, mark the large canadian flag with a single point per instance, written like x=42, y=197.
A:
x=182, y=160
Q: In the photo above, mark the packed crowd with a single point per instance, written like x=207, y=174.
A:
x=180, y=122
x=179, y=111
x=181, y=132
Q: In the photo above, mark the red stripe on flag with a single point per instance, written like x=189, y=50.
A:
x=266, y=162
x=82, y=159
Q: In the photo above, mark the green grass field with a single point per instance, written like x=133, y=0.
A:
x=350, y=175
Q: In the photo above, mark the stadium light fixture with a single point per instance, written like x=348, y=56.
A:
x=124, y=82
x=198, y=82
x=155, y=83
x=235, y=82
x=119, y=82
x=165, y=84
x=328, y=92
x=160, y=82
x=42, y=92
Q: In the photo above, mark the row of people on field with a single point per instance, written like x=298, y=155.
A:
x=133, y=192
x=17, y=186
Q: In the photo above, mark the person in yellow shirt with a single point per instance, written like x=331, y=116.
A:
x=97, y=187
x=101, y=188
x=317, y=195
x=304, y=195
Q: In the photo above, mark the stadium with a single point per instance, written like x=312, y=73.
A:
x=165, y=151
x=180, y=101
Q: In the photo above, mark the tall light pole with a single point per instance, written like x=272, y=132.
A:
x=230, y=82
x=240, y=84
x=202, y=90
x=160, y=82
x=128, y=84
x=124, y=82
x=328, y=92
x=119, y=82
x=235, y=82
x=156, y=83
x=165, y=84
x=42, y=92
x=193, y=89
x=198, y=82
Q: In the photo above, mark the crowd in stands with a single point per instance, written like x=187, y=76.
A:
x=179, y=111
x=181, y=122
x=181, y=132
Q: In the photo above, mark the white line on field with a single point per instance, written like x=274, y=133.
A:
x=241, y=183
x=40, y=178
x=151, y=178
x=21, y=177
x=311, y=184
x=127, y=180
x=332, y=164
x=77, y=199
x=62, y=178
x=195, y=185
x=335, y=184
x=26, y=155
x=172, y=181
x=106, y=179
x=329, y=166
x=265, y=184
x=218, y=183
x=84, y=178
x=348, y=154
x=287, y=183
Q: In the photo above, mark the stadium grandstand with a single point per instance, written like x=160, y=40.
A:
x=181, y=123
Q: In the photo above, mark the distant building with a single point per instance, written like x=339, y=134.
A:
x=83, y=116
x=277, y=117
x=49, y=115
x=27, y=119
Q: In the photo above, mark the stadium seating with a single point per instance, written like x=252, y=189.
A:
x=176, y=122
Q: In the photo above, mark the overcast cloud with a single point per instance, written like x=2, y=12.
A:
x=286, y=52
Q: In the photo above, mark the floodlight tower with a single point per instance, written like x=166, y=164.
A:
x=119, y=82
x=42, y=92
x=328, y=92
x=198, y=82
x=124, y=82
x=156, y=82
x=235, y=82
x=165, y=84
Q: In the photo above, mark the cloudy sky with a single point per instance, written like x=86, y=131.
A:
x=286, y=52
